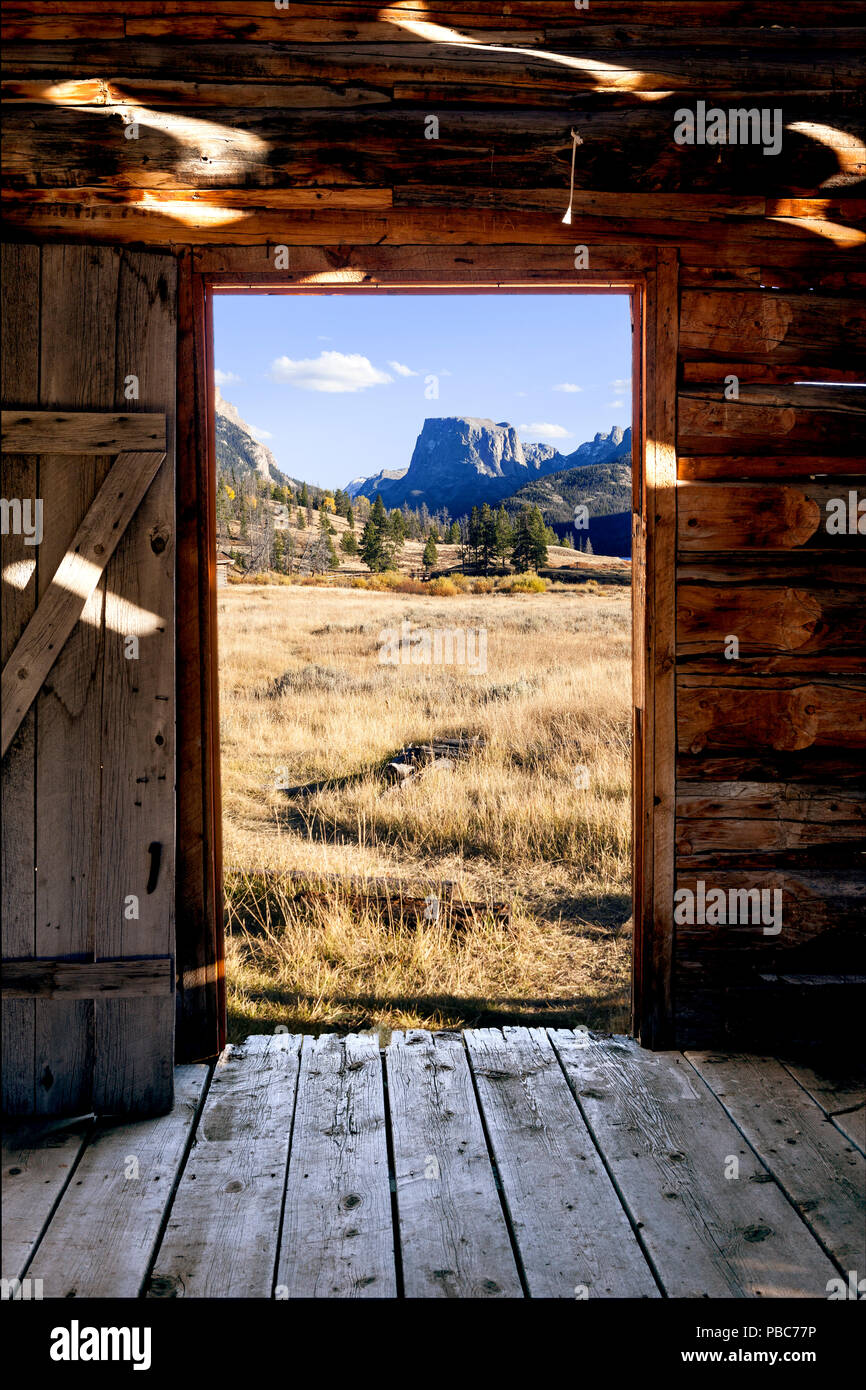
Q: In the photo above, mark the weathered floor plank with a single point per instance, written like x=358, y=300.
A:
x=711, y=1218
x=221, y=1237
x=822, y=1173
x=842, y=1098
x=338, y=1237
x=103, y=1235
x=37, y=1163
x=572, y=1234
x=453, y=1237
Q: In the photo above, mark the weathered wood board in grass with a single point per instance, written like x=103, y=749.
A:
x=571, y=1232
x=104, y=1234
x=453, y=1236
x=672, y=1151
x=221, y=1237
x=820, y=1171
x=338, y=1237
x=38, y=1161
x=842, y=1100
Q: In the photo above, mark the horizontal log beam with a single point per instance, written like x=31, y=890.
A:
x=739, y=516
x=627, y=148
x=782, y=618
x=63, y=979
x=736, y=714
x=771, y=420
x=762, y=23
x=773, y=328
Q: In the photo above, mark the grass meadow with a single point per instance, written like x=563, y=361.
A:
x=537, y=818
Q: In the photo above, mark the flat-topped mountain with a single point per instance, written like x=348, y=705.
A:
x=460, y=462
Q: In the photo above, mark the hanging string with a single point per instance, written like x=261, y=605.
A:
x=575, y=141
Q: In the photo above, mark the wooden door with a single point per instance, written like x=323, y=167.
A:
x=88, y=778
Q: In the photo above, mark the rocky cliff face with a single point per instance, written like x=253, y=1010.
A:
x=460, y=462
x=238, y=450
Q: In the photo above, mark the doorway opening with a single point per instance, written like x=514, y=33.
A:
x=423, y=507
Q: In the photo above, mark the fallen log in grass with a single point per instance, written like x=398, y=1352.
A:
x=442, y=903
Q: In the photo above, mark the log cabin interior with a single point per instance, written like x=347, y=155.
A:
x=157, y=152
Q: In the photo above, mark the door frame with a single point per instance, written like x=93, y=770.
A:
x=650, y=278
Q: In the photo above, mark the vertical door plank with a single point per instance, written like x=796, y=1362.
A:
x=78, y=310
x=656, y=1021
x=200, y=946
x=20, y=477
x=134, y=1039
x=338, y=1236
x=453, y=1237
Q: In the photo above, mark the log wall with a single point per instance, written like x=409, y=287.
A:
x=306, y=128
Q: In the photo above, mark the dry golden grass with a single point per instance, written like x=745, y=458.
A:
x=510, y=824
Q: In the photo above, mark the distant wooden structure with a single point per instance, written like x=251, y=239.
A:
x=156, y=156
x=224, y=563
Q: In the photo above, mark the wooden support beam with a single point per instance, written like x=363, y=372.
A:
x=72, y=979
x=79, y=432
x=76, y=578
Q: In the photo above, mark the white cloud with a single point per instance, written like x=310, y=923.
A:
x=330, y=371
x=222, y=377
x=615, y=405
x=567, y=386
x=259, y=432
x=401, y=370
x=521, y=393
x=543, y=430
x=621, y=387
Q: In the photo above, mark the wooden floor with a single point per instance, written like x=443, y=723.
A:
x=493, y=1164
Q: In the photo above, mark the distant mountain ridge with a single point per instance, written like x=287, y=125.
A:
x=237, y=449
x=460, y=462
x=603, y=488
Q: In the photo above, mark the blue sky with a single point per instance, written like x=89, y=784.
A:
x=339, y=385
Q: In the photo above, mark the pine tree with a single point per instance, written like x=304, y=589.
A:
x=348, y=544
x=279, y=553
x=305, y=496
x=503, y=536
x=454, y=533
x=431, y=554
x=371, y=546
x=350, y=518
x=486, y=536
x=529, y=551
x=302, y=525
